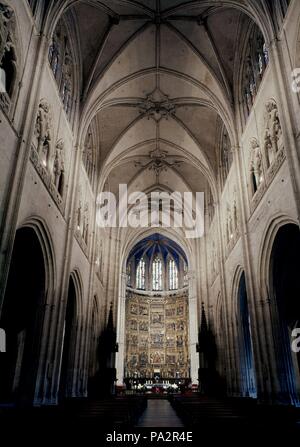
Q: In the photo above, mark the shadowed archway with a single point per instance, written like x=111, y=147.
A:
x=284, y=286
x=22, y=318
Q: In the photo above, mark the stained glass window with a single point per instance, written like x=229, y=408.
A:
x=255, y=63
x=61, y=63
x=173, y=275
x=140, y=274
x=157, y=274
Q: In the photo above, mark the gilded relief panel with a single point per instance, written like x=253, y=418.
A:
x=156, y=336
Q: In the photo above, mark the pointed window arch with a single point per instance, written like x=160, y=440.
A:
x=62, y=65
x=157, y=274
x=173, y=274
x=256, y=60
x=141, y=274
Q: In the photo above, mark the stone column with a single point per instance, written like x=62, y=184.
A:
x=193, y=327
x=121, y=330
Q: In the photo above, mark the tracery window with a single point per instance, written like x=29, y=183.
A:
x=140, y=274
x=173, y=275
x=61, y=63
x=255, y=63
x=157, y=274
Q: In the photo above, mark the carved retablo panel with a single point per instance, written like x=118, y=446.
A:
x=156, y=336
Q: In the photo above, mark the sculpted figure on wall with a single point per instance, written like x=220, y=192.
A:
x=6, y=16
x=156, y=357
x=43, y=132
x=88, y=156
x=59, y=167
x=256, y=166
x=232, y=220
x=273, y=131
x=8, y=61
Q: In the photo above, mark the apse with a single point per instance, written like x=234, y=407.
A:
x=156, y=339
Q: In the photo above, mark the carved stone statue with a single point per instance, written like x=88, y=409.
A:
x=256, y=162
x=59, y=166
x=42, y=131
x=6, y=29
x=273, y=131
x=8, y=59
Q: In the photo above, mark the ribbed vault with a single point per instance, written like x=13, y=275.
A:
x=158, y=79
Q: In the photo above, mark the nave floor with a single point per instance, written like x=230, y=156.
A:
x=231, y=421
x=159, y=413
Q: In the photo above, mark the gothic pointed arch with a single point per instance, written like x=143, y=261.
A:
x=72, y=337
x=30, y=288
x=255, y=60
x=64, y=62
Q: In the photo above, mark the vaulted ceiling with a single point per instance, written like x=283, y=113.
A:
x=156, y=244
x=157, y=78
